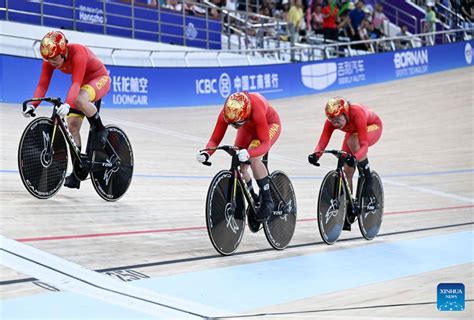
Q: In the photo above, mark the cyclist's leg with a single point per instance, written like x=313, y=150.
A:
x=260, y=173
x=349, y=168
x=92, y=91
x=242, y=140
x=74, y=122
x=374, y=131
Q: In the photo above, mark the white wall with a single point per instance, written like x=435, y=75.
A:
x=103, y=45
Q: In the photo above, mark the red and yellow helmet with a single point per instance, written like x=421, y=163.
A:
x=237, y=109
x=337, y=106
x=53, y=44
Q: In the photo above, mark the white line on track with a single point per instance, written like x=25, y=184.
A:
x=72, y=277
x=282, y=158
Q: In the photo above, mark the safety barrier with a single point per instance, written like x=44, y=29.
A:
x=171, y=87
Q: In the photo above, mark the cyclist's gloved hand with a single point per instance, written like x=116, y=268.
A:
x=243, y=155
x=63, y=110
x=29, y=111
x=313, y=159
x=202, y=156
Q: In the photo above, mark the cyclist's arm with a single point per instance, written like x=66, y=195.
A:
x=44, y=81
x=261, y=126
x=79, y=63
x=361, y=125
x=218, y=133
x=325, y=137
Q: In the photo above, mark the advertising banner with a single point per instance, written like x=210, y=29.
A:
x=134, y=87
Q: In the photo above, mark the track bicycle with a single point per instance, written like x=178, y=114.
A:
x=338, y=207
x=43, y=157
x=229, y=202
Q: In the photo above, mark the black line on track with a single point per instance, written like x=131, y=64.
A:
x=330, y=310
x=100, y=287
x=208, y=257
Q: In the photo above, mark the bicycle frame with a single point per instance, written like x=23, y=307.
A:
x=238, y=177
x=342, y=181
x=85, y=161
x=58, y=121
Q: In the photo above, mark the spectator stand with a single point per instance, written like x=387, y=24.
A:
x=183, y=23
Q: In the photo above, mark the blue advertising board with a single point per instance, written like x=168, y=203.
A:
x=170, y=87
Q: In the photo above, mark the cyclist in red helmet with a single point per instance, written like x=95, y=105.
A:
x=363, y=128
x=90, y=83
x=258, y=127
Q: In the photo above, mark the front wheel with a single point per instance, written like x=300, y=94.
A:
x=280, y=227
x=371, y=214
x=331, y=207
x=42, y=158
x=112, y=168
x=225, y=221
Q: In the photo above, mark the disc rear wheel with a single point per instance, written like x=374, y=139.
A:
x=280, y=227
x=370, y=219
x=112, y=167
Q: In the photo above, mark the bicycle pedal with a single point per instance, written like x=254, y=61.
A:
x=72, y=182
x=346, y=226
x=253, y=224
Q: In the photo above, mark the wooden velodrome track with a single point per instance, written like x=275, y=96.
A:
x=425, y=158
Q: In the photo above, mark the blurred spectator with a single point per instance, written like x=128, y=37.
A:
x=443, y=8
x=173, y=5
x=247, y=5
x=467, y=11
x=368, y=13
x=430, y=23
x=309, y=12
x=317, y=18
x=402, y=44
x=345, y=26
x=285, y=7
x=195, y=10
x=231, y=5
x=373, y=32
x=379, y=17
x=363, y=34
x=295, y=19
x=213, y=12
x=282, y=13
x=267, y=8
x=329, y=23
x=357, y=15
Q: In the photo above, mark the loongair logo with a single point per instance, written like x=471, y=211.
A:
x=410, y=58
x=468, y=53
x=319, y=76
x=225, y=86
x=450, y=297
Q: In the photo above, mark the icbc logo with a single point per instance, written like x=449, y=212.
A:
x=206, y=86
x=212, y=86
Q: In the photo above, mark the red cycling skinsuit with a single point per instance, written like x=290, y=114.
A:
x=258, y=134
x=88, y=73
x=362, y=122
